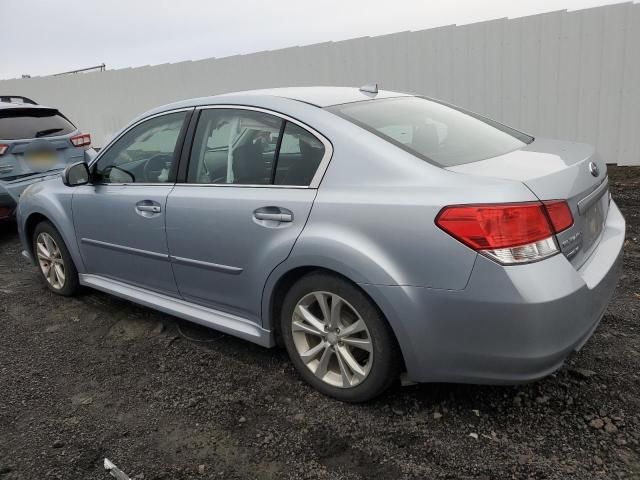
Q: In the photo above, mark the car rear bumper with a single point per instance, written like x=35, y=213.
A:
x=510, y=324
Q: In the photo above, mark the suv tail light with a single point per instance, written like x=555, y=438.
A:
x=82, y=140
x=508, y=233
x=3, y=148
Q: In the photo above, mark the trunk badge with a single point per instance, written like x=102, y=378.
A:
x=593, y=168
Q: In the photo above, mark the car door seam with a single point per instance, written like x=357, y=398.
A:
x=166, y=240
x=313, y=202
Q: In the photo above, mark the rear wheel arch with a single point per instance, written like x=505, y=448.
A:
x=279, y=291
x=360, y=376
x=289, y=278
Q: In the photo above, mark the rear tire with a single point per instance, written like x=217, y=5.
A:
x=338, y=339
x=54, y=261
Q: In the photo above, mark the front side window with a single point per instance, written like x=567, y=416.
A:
x=234, y=146
x=438, y=133
x=145, y=154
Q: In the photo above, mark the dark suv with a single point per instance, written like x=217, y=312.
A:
x=35, y=142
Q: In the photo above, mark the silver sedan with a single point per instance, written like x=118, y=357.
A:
x=370, y=232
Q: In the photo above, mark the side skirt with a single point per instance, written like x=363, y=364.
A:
x=224, y=322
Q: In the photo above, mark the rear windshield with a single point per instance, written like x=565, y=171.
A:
x=21, y=123
x=437, y=133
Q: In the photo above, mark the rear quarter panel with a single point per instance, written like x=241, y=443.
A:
x=373, y=219
x=375, y=214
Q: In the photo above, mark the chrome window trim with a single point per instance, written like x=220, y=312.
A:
x=322, y=166
x=146, y=184
x=237, y=185
x=315, y=181
x=124, y=132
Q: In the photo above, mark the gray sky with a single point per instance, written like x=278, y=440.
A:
x=69, y=34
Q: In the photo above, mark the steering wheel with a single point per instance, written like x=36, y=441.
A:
x=154, y=167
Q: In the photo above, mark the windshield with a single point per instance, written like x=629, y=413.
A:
x=438, y=133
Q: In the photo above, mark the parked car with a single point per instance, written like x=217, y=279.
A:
x=370, y=232
x=36, y=142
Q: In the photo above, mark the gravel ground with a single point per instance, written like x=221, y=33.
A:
x=94, y=376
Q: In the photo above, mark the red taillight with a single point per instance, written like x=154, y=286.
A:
x=508, y=233
x=559, y=214
x=3, y=148
x=82, y=140
x=495, y=226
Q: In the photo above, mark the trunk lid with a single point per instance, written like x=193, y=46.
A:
x=558, y=170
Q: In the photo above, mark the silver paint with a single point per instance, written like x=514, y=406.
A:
x=457, y=316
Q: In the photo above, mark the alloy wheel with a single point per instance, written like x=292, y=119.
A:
x=332, y=339
x=50, y=260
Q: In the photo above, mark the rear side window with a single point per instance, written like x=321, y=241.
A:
x=22, y=123
x=299, y=157
x=245, y=147
x=234, y=146
x=432, y=131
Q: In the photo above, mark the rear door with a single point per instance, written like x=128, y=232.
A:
x=239, y=212
x=120, y=217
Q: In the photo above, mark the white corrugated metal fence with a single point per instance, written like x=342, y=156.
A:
x=571, y=75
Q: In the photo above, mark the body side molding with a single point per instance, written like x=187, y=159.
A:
x=206, y=265
x=122, y=248
x=163, y=256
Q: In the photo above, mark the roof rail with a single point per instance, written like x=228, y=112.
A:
x=16, y=99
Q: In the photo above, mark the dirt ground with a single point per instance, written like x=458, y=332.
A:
x=94, y=376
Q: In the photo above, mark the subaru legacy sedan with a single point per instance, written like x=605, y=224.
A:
x=36, y=142
x=374, y=234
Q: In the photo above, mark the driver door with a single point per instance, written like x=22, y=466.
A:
x=120, y=217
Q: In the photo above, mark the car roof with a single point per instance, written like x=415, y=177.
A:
x=316, y=96
x=321, y=96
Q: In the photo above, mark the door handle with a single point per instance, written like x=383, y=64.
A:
x=276, y=217
x=274, y=214
x=149, y=208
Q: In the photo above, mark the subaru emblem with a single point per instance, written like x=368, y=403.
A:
x=593, y=168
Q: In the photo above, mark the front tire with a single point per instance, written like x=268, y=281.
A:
x=337, y=338
x=54, y=261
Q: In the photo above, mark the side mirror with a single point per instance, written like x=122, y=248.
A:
x=76, y=174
